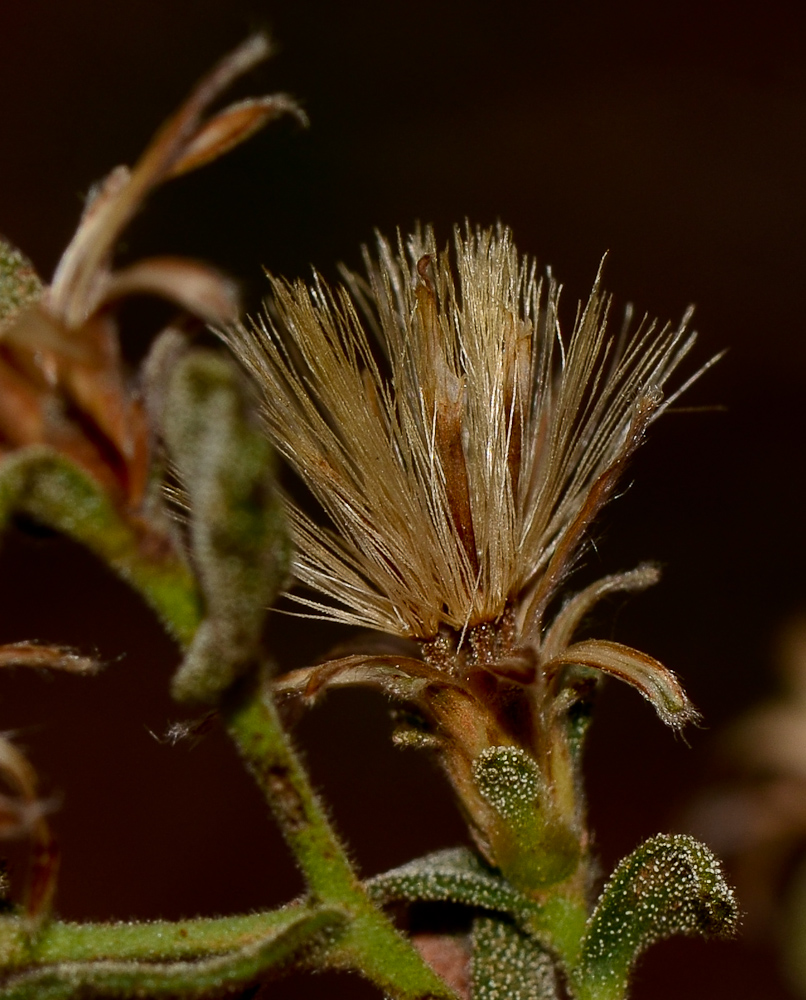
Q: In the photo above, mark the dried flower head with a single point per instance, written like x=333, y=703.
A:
x=460, y=452
x=461, y=469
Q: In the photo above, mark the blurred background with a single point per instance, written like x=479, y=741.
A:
x=672, y=137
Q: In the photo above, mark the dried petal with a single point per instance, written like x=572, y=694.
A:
x=36, y=330
x=22, y=408
x=232, y=126
x=24, y=815
x=74, y=288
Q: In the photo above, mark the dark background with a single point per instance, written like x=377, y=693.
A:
x=672, y=136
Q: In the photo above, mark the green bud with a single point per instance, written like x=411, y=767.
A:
x=509, y=780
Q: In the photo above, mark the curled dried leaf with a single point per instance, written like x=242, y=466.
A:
x=20, y=776
x=562, y=629
x=74, y=289
x=63, y=382
x=400, y=677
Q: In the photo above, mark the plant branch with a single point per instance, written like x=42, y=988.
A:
x=370, y=944
x=188, y=959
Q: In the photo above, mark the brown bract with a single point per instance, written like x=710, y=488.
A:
x=23, y=813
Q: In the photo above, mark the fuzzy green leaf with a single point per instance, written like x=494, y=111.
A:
x=238, y=538
x=532, y=845
x=458, y=876
x=509, y=964
x=455, y=875
x=669, y=885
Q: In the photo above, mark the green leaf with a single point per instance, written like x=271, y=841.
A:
x=508, y=964
x=455, y=875
x=671, y=884
x=531, y=844
x=238, y=539
x=118, y=975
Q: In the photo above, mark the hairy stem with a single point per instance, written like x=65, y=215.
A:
x=186, y=960
x=370, y=944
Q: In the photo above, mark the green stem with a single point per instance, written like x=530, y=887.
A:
x=159, y=940
x=53, y=490
x=186, y=960
x=370, y=944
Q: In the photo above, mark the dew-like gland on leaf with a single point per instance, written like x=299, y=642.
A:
x=509, y=965
x=508, y=778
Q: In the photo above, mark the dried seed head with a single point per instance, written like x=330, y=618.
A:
x=461, y=459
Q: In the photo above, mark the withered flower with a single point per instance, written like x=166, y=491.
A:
x=460, y=453
x=62, y=378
